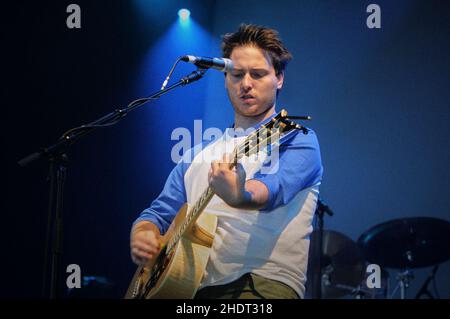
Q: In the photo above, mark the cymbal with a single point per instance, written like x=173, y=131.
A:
x=407, y=243
x=342, y=263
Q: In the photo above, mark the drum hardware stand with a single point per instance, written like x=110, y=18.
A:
x=404, y=278
x=424, y=289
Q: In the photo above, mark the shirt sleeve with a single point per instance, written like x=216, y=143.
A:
x=299, y=166
x=165, y=207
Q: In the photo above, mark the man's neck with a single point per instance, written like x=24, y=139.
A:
x=244, y=122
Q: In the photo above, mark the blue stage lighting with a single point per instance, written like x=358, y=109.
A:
x=184, y=14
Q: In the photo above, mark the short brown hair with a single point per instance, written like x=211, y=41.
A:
x=262, y=37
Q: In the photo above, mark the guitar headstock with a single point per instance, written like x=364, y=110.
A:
x=269, y=134
x=284, y=123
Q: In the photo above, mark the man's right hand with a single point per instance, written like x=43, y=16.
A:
x=144, y=244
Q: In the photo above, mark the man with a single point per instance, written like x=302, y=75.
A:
x=261, y=242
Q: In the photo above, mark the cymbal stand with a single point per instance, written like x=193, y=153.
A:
x=424, y=289
x=403, y=278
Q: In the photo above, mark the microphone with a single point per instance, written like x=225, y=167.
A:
x=221, y=64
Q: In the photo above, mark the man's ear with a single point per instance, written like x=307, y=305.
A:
x=280, y=80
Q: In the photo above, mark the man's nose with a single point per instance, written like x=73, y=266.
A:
x=246, y=82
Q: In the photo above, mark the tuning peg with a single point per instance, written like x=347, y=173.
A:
x=304, y=130
x=307, y=117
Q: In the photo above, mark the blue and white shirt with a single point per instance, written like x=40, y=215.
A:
x=272, y=242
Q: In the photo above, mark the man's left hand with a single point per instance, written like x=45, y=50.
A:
x=228, y=183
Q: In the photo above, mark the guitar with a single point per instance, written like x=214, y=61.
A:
x=178, y=269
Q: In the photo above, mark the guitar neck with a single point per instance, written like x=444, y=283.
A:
x=206, y=196
x=194, y=212
x=191, y=217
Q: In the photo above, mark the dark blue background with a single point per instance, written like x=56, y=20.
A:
x=378, y=98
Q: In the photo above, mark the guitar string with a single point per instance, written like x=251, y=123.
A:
x=208, y=192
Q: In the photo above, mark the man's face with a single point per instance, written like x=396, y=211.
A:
x=252, y=84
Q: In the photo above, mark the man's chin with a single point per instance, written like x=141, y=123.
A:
x=252, y=110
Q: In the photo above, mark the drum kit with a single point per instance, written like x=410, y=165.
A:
x=401, y=244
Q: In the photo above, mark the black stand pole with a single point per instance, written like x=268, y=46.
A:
x=424, y=289
x=57, y=172
x=321, y=209
x=56, y=154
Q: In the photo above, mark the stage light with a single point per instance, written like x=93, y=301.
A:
x=184, y=14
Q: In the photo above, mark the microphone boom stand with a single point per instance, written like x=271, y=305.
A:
x=321, y=209
x=56, y=154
